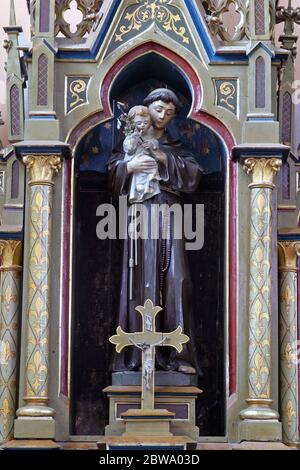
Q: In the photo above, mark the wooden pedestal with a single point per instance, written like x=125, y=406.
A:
x=146, y=442
x=178, y=400
x=147, y=422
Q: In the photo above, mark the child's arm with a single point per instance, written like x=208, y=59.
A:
x=153, y=147
x=131, y=143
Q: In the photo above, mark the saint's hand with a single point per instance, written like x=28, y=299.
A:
x=148, y=145
x=144, y=164
x=160, y=156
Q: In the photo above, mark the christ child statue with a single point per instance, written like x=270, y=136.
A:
x=138, y=143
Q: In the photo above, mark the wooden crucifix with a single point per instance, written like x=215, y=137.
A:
x=147, y=340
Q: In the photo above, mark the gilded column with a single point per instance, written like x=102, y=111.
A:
x=10, y=270
x=41, y=169
x=288, y=252
x=260, y=421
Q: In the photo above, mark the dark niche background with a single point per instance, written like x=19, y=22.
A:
x=97, y=263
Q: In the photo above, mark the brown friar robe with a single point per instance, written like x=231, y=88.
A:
x=162, y=273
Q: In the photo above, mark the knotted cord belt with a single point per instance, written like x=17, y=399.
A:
x=166, y=250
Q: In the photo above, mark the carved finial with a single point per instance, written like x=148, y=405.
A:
x=12, y=14
x=289, y=16
x=12, y=29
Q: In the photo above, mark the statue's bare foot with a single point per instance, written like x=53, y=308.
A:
x=187, y=369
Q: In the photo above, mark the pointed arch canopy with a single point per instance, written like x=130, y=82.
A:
x=190, y=76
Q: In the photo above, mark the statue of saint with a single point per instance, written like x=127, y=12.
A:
x=138, y=143
x=161, y=273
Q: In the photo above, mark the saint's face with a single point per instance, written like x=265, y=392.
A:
x=161, y=113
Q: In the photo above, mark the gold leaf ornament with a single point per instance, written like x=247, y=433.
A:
x=261, y=202
x=151, y=11
x=6, y=411
x=290, y=412
x=287, y=298
x=39, y=199
x=6, y=353
x=8, y=297
x=290, y=354
x=227, y=90
x=76, y=88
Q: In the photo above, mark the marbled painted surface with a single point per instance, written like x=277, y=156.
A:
x=260, y=293
x=37, y=362
x=288, y=356
x=9, y=316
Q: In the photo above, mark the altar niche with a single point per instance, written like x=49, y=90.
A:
x=98, y=263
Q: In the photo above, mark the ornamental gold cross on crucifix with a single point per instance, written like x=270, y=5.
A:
x=147, y=340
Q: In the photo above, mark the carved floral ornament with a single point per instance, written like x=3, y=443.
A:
x=91, y=16
x=42, y=168
x=215, y=17
x=147, y=10
x=262, y=170
x=10, y=253
x=215, y=10
x=288, y=251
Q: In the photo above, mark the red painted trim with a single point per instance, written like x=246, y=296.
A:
x=66, y=276
x=142, y=50
x=298, y=336
x=204, y=118
x=232, y=321
x=217, y=126
x=132, y=55
x=286, y=209
x=196, y=113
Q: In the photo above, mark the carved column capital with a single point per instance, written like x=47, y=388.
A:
x=262, y=171
x=11, y=255
x=288, y=251
x=42, y=168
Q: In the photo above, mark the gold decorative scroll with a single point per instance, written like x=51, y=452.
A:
x=228, y=90
x=76, y=88
x=148, y=11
